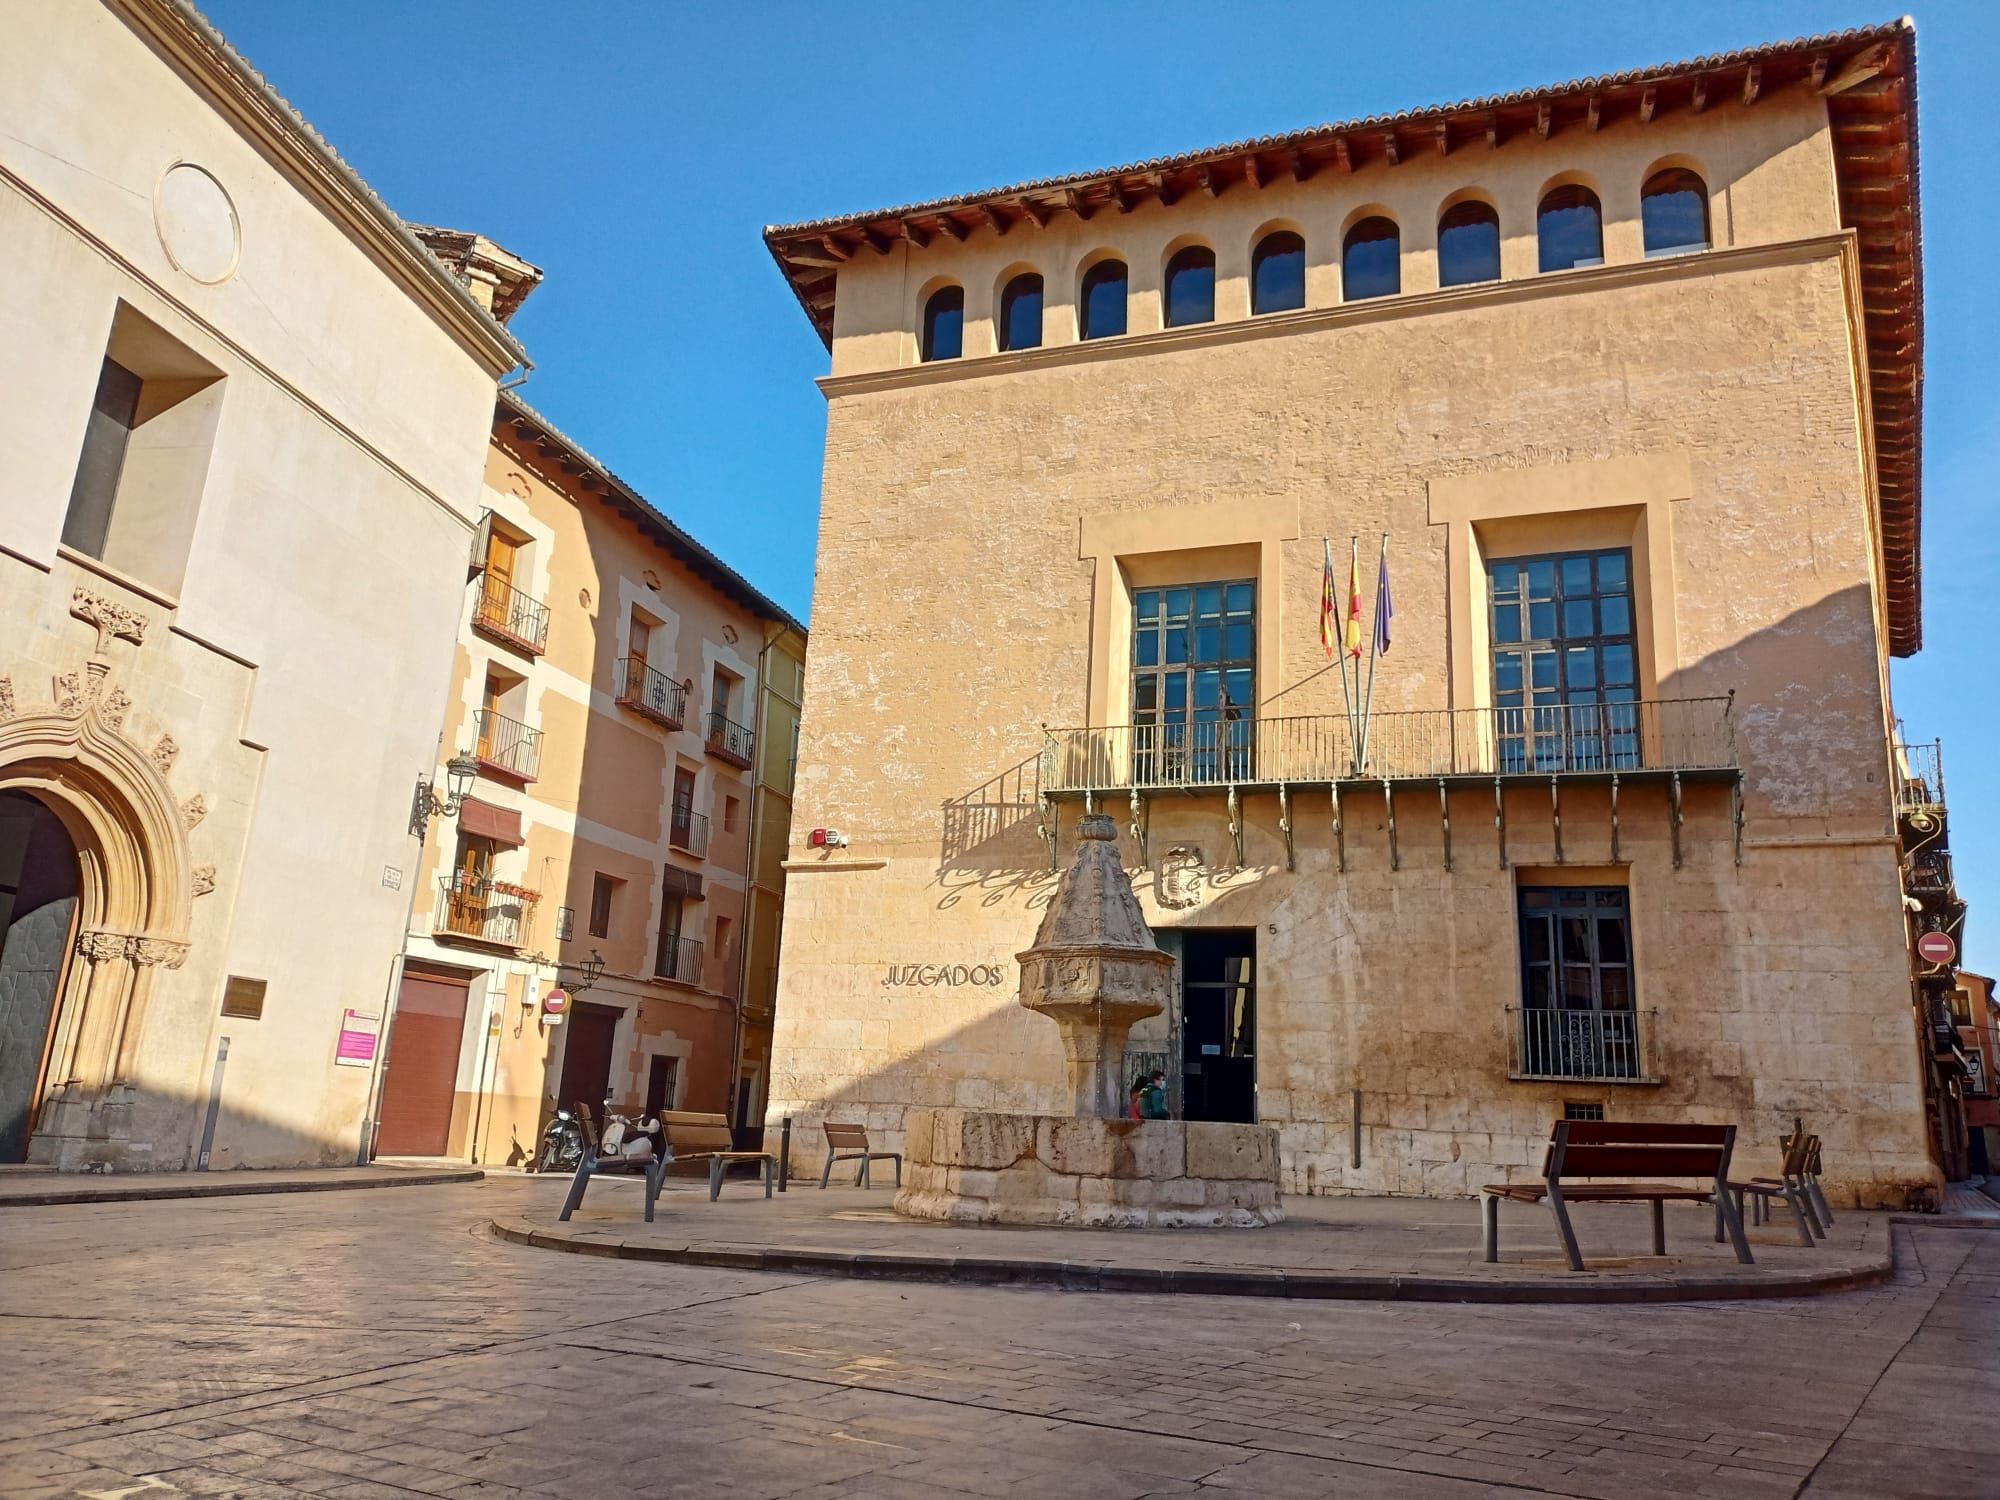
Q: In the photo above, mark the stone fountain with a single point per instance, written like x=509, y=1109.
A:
x=1094, y=970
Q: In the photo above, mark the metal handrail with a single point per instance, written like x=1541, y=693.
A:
x=729, y=737
x=678, y=958
x=1582, y=1044
x=1920, y=782
x=507, y=744
x=1675, y=734
x=650, y=691
x=504, y=610
x=473, y=908
x=687, y=830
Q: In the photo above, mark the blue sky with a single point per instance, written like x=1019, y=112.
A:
x=636, y=150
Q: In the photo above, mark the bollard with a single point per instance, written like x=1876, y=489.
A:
x=784, y=1153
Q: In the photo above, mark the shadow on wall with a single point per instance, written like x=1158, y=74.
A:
x=1425, y=1036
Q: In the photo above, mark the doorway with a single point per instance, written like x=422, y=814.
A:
x=422, y=1082
x=40, y=881
x=1218, y=968
x=586, y=1065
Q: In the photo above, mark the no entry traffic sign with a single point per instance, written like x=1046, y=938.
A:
x=1936, y=948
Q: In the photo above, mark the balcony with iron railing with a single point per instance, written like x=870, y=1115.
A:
x=1582, y=1045
x=649, y=691
x=1682, y=737
x=483, y=911
x=506, y=747
x=687, y=830
x=503, y=613
x=1929, y=873
x=1920, y=781
x=679, y=959
x=730, y=741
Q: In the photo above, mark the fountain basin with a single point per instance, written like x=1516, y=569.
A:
x=985, y=1167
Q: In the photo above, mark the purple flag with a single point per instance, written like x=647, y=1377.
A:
x=1385, y=610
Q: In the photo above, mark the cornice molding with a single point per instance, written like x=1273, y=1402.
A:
x=1349, y=314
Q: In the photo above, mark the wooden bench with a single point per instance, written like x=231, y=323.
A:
x=1800, y=1172
x=850, y=1143
x=1789, y=1185
x=692, y=1136
x=1582, y=1151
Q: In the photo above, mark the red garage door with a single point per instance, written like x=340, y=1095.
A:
x=423, y=1067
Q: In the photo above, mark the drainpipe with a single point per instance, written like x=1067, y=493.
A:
x=749, y=878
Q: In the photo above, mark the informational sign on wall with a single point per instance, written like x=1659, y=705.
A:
x=360, y=1030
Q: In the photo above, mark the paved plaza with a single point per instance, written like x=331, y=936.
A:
x=387, y=1344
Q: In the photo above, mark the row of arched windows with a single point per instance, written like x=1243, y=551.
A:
x=1569, y=232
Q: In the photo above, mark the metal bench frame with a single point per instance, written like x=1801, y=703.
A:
x=655, y=1168
x=864, y=1155
x=1679, y=1148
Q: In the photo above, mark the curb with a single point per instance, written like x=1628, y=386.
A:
x=226, y=1188
x=1090, y=1276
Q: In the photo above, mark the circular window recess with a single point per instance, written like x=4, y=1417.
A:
x=652, y=579
x=197, y=223
x=583, y=597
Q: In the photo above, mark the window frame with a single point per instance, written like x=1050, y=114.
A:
x=1650, y=191
x=1474, y=210
x=1101, y=273
x=1010, y=295
x=603, y=892
x=1577, y=192
x=1544, y=731
x=1352, y=239
x=1187, y=262
x=1168, y=743
x=945, y=300
x=1262, y=256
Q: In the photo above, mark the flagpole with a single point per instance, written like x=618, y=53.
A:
x=1340, y=645
x=1374, y=654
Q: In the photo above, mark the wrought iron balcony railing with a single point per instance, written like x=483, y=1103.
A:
x=484, y=911
x=1920, y=779
x=507, y=745
x=729, y=740
x=678, y=959
x=1929, y=873
x=649, y=691
x=1665, y=735
x=1612, y=1046
x=514, y=617
x=687, y=830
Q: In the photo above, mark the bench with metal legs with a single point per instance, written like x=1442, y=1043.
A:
x=850, y=1143
x=654, y=1167
x=1582, y=1150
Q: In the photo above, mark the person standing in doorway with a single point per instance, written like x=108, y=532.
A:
x=1153, y=1099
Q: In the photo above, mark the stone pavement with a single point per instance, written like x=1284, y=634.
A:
x=386, y=1344
x=34, y=1189
x=1418, y=1248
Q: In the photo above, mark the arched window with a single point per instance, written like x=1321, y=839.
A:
x=1021, y=313
x=1371, y=260
x=1468, y=245
x=944, y=324
x=1191, y=287
x=1570, y=226
x=1278, y=273
x=1673, y=206
x=1101, y=300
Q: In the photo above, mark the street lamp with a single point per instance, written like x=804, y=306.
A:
x=460, y=772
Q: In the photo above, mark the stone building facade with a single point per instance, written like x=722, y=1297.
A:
x=1624, y=376
x=607, y=689
x=241, y=481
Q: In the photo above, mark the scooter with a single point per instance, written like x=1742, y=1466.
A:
x=564, y=1141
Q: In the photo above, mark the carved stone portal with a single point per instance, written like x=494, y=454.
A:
x=113, y=620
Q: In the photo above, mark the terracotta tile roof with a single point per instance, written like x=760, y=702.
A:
x=514, y=419
x=1867, y=76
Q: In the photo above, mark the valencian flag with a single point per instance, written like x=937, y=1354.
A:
x=1385, y=608
x=1326, y=629
x=1354, y=601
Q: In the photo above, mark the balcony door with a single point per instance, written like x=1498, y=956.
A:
x=1565, y=683
x=1578, y=1016
x=1194, y=682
